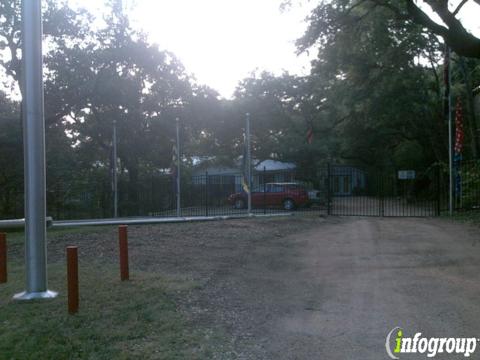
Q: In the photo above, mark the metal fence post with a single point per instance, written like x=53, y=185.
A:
x=264, y=190
x=329, y=210
x=249, y=162
x=206, y=193
x=178, y=186
x=378, y=193
x=382, y=203
x=3, y=258
x=114, y=170
x=438, y=190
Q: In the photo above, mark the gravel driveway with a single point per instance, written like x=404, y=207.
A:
x=334, y=289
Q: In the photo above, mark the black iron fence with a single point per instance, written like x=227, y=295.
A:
x=353, y=191
x=466, y=180
x=334, y=190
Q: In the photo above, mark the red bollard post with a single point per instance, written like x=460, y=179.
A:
x=72, y=279
x=123, y=246
x=3, y=258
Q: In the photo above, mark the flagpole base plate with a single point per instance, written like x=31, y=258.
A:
x=25, y=295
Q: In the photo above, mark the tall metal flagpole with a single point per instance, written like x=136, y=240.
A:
x=34, y=155
x=114, y=170
x=249, y=162
x=179, y=210
x=450, y=139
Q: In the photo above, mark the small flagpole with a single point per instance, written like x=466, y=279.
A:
x=179, y=210
x=450, y=139
x=249, y=162
x=114, y=171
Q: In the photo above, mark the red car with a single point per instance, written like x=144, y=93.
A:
x=287, y=195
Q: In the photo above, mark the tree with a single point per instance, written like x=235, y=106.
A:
x=91, y=79
x=60, y=26
x=120, y=77
x=453, y=32
x=383, y=104
x=210, y=127
x=11, y=161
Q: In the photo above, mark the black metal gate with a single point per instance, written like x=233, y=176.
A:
x=353, y=191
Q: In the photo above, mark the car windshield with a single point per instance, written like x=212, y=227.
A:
x=296, y=187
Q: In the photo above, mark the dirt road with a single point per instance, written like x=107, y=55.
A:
x=307, y=287
x=335, y=290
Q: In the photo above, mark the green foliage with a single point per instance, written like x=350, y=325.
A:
x=373, y=98
x=377, y=95
x=409, y=155
x=11, y=159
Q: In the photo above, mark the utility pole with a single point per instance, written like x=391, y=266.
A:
x=249, y=161
x=34, y=155
x=179, y=210
x=114, y=170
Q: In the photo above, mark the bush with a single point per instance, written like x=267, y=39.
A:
x=470, y=195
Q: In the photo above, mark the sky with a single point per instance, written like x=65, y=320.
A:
x=469, y=14
x=220, y=42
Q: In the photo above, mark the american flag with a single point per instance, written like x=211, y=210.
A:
x=173, y=168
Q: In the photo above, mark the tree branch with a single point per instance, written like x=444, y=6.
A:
x=455, y=35
x=459, y=7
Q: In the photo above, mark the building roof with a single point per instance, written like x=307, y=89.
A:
x=274, y=165
x=217, y=170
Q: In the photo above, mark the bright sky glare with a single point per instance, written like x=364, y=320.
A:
x=221, y=42
x=469, y=14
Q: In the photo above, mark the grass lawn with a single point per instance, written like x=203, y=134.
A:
x=117, y=320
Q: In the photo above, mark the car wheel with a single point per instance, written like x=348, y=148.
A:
x=288, y=204
x=239, y=204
